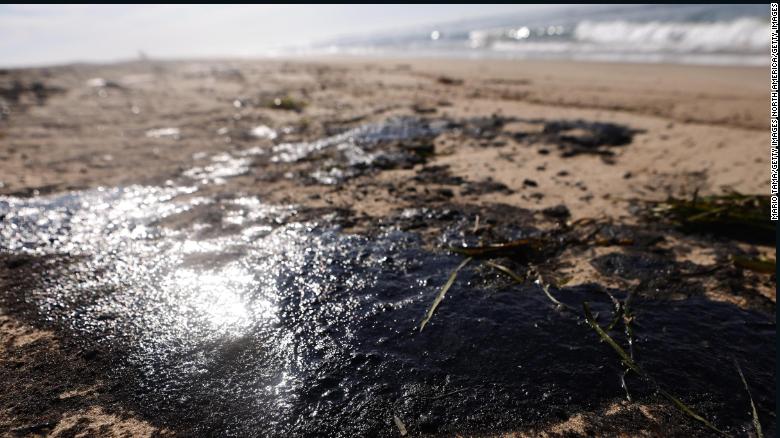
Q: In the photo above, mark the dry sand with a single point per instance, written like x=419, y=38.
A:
x=698, y=129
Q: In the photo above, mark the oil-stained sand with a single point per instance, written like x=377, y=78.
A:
x=242, y=280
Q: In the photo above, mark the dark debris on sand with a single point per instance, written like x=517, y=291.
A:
x=497, y=355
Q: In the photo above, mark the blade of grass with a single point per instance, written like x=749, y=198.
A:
x=442, y=292
x=546, y=289
x=764, y=266
x=627, y=361
x=618, y=312
x=624, y=385
x=705, y=214
x=628, y=318
x=756, y=422
x=688, y=411
x=539, y=281
x=496, y=248
x=742, y=217
x=506, y=271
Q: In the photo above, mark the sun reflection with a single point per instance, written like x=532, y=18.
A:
x=217, y=296
x=223, y=166
x=243, y=274
x=283, y=389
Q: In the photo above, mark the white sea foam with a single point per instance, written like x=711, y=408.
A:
x=701, y=34
x=746, y=34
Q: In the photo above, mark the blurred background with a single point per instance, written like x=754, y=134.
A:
x=34, y=35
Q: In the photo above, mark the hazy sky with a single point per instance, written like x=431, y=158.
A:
x=47, y=34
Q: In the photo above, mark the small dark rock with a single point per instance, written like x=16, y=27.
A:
x=484, y=186
x=559, y=211
x=446, y=80
x=446, y=193
x=421, y=108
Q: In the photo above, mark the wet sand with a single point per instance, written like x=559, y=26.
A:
x=510, y=143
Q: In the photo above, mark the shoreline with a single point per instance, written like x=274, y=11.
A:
x=379, y=57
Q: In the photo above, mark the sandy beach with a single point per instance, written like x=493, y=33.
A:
x=557, y=143
x=697, y=127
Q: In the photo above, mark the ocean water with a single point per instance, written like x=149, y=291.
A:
x=689, y=34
